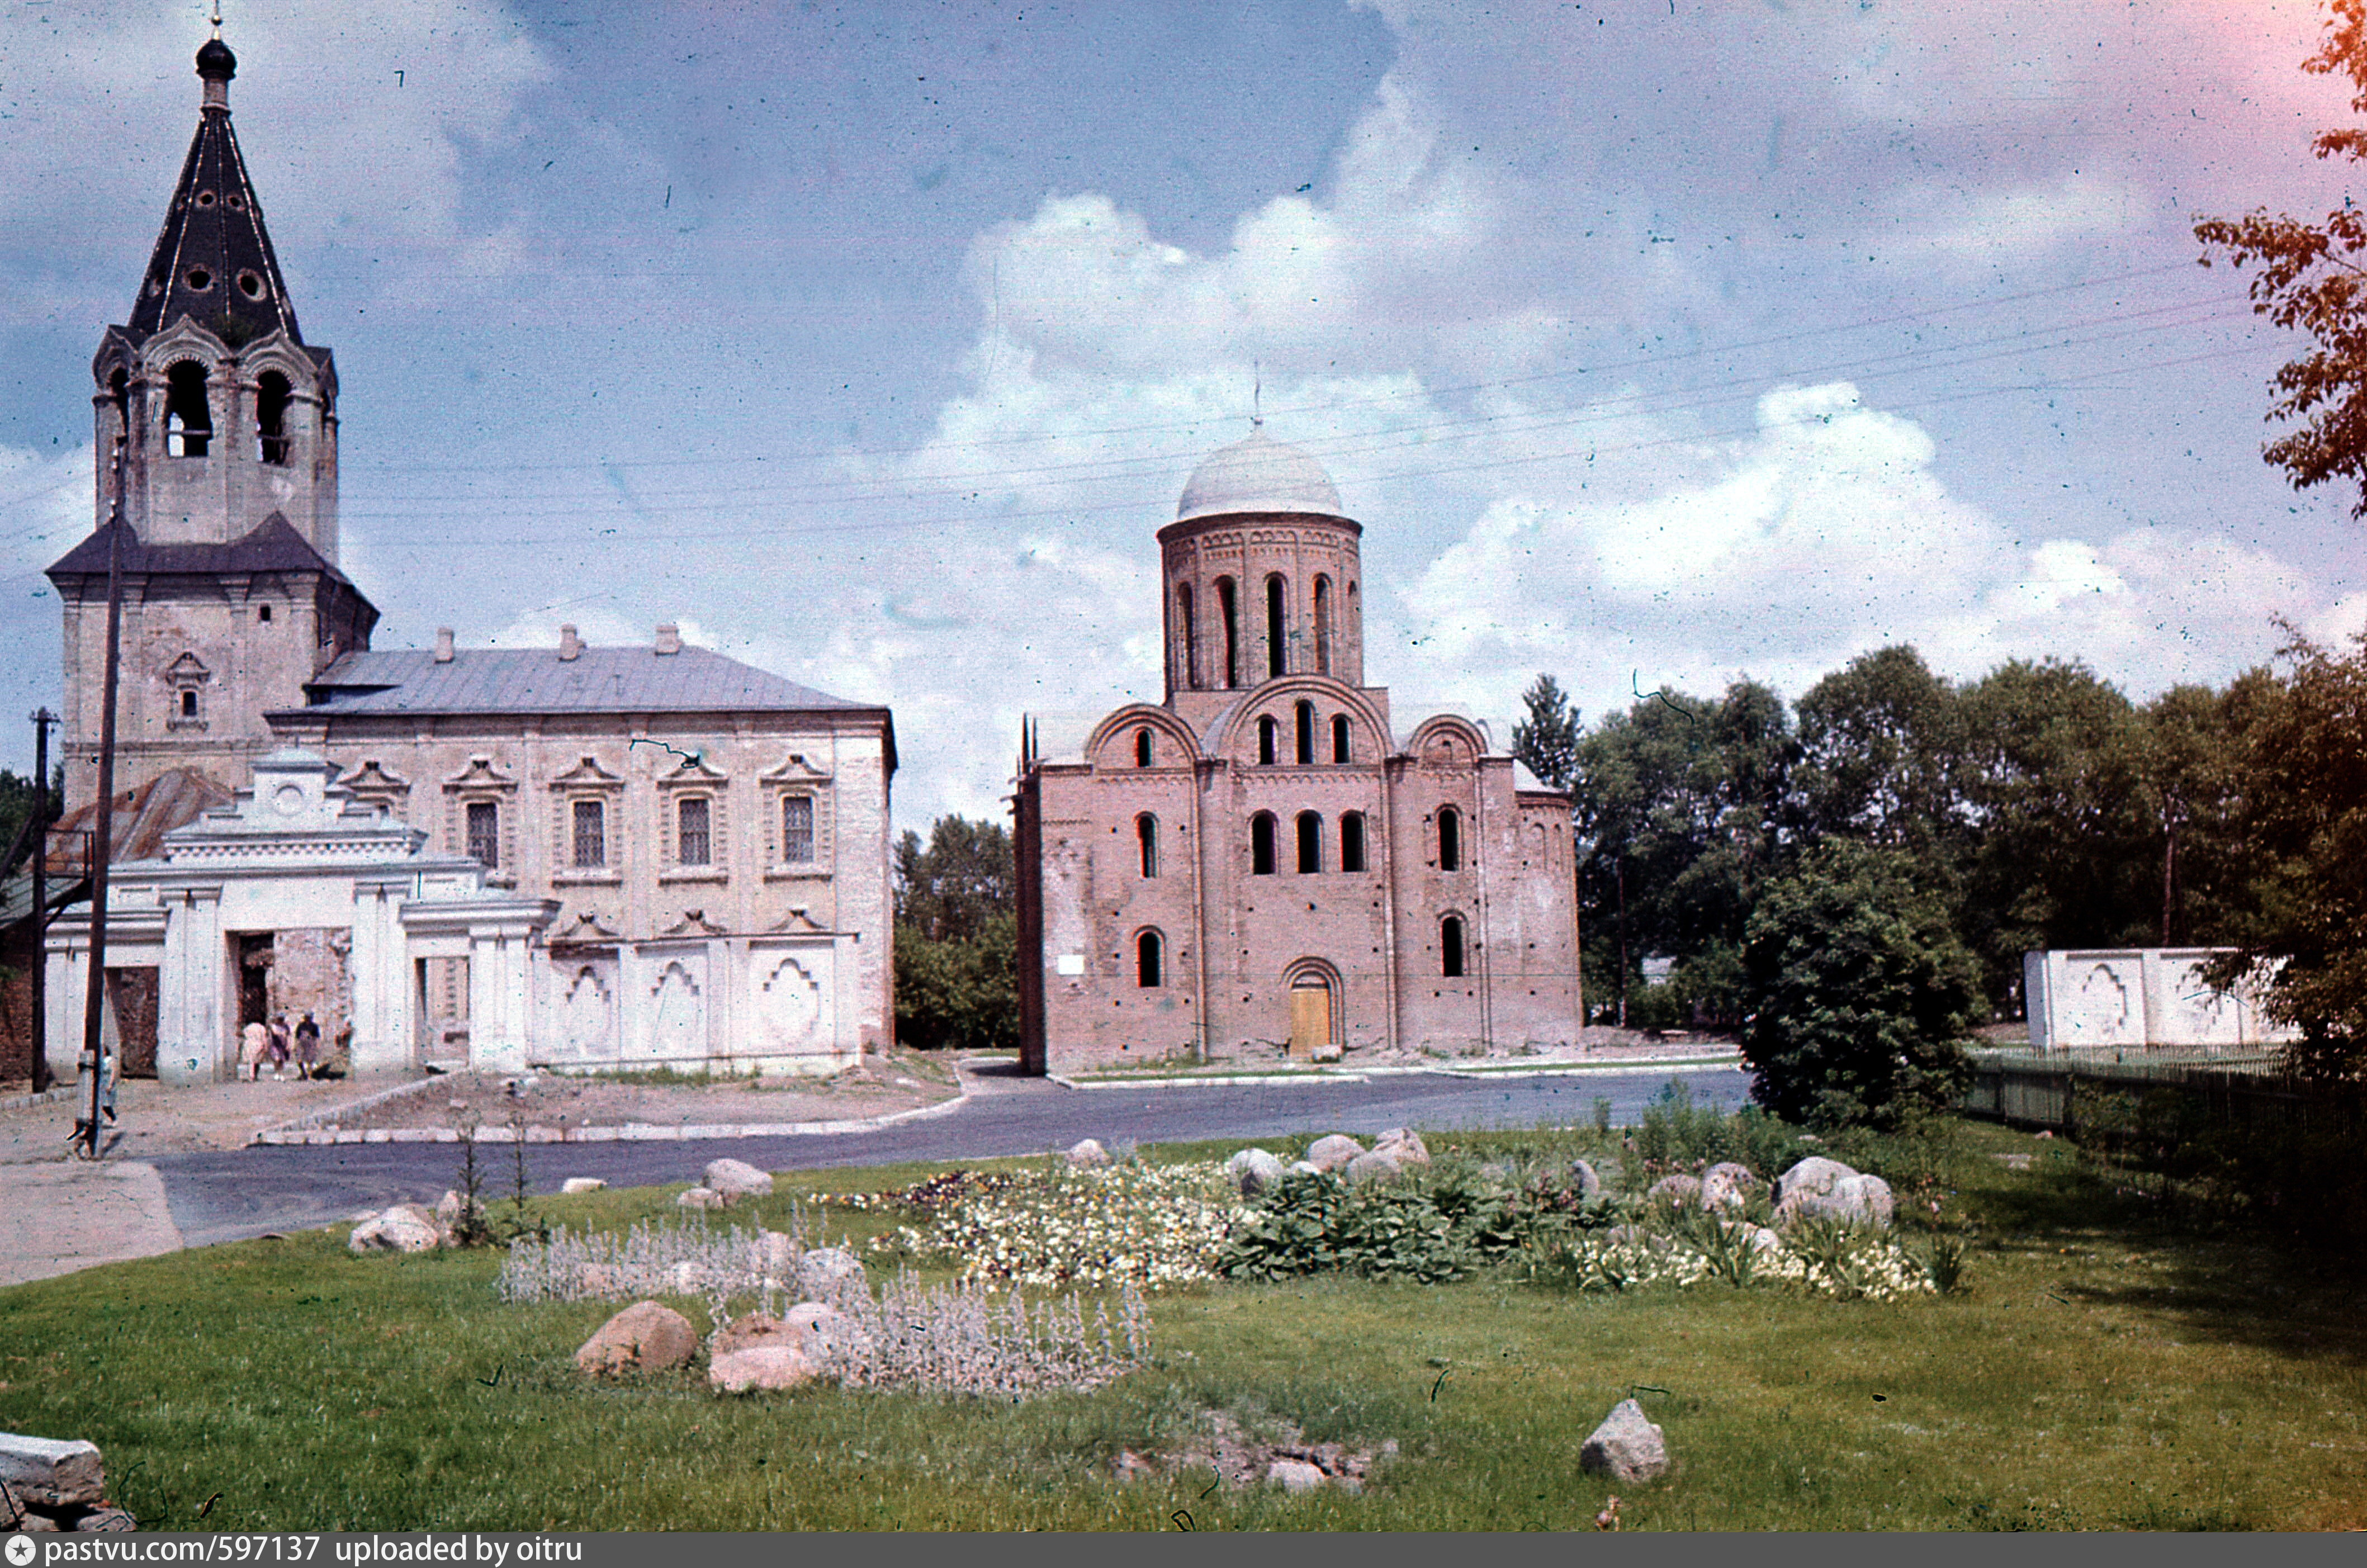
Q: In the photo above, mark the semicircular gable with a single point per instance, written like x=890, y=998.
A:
x=1446, y=738
x=183, y=340
x=1112, y=743
x=1236, y=732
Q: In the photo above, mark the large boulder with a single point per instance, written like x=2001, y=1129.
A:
x=1255, y=1171
x=645, y=1337
x=1295, y=1474
x=736, y=1178
x=1814, y=1175
x=1087, y=1153
x=1589, y=1184
x=1402, y=1145
x=406, y=1227
x=1679, y=1191
x=1626, y=1446
x=761, y=1367
x=1728, y=1186
x=51, y=1473
x=1861, y=1200
x=1334, y=1151
x=747, y=1331
x=1376, y=1166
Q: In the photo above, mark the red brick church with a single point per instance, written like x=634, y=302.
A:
x=1265, y=863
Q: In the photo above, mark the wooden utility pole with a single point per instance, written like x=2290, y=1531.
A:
x=102, y=846
x=43, y=719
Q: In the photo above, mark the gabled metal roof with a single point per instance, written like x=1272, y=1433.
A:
x=523, y=680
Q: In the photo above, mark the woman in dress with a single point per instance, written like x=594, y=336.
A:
x=255, y=1044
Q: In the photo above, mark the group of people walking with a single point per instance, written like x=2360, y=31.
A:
x=272, y=1041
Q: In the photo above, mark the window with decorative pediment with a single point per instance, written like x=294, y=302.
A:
x=695, y=809
x=187, y=680
x=798, y=832
x=587, y=824
x=372, y=784
x=480, y=816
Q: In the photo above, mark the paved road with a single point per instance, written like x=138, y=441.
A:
x=228, y=1197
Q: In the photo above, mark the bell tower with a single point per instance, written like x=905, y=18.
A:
x=216, y=452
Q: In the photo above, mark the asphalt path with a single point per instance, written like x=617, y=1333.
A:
x=231, y=1196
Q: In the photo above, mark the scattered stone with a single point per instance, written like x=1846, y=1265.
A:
x=1254, y=1169
x=763, y=1368
x=1626, y=1446
x=49, y=1475
x=1305, y=1167
x=824, y=1267
x=1332, y=1152
x=1329, y=1051
x=1679, y=1191
x=1088, y=1152
x=705, y=1199
x=1763, y=1240
x=602, y=1280
x=582, y=1184
x=406, y=1227
x=1402, y=1145
x=451, y=1206
x=1376, y=1166
x=1728, y=1186
x=1295, y=1474
x=1590, y=1185
x=690, y=1278
x=1281, y=1455
x=108, y=1520
x=644, y=1336
x=736, y=1178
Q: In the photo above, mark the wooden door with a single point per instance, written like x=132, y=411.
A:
x=1310, y=1019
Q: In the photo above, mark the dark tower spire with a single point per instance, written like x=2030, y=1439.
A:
x=213, y=262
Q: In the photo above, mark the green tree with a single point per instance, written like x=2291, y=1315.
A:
x=2311, y=280
x=1859, y=990
x=16, y=797
x=2301, y=935
x=1546, y=741
x=951, y=886
x=957, y=938
x=1882, y=745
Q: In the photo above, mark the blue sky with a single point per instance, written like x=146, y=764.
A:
x=1650, y=342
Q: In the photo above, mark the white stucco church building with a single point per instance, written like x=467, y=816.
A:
x=572, y=855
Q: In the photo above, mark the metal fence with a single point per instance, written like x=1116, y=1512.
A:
x=2236, y=1088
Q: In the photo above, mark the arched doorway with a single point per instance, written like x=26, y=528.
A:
x=1315, y=1022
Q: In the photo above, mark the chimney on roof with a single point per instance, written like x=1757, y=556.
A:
x=570, y=645
x=443, y=645
x=669, y=638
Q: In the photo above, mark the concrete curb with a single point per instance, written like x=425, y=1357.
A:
x=328, y=1115
x=47, y=1097
x=1573, y=1069
x=630, y=1133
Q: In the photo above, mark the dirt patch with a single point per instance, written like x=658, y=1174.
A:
x=493, y=1101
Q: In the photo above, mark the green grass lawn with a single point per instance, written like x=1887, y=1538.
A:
x=2104, y=1372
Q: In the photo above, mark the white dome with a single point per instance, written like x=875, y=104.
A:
x=1258, y=475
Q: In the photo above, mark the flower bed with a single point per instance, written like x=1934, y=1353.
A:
x=1141, y=1224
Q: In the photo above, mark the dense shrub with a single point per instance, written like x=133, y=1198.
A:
x=1430, y=1229
x=1859, y=991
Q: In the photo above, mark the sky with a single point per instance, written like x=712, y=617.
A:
x=1655, y=343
